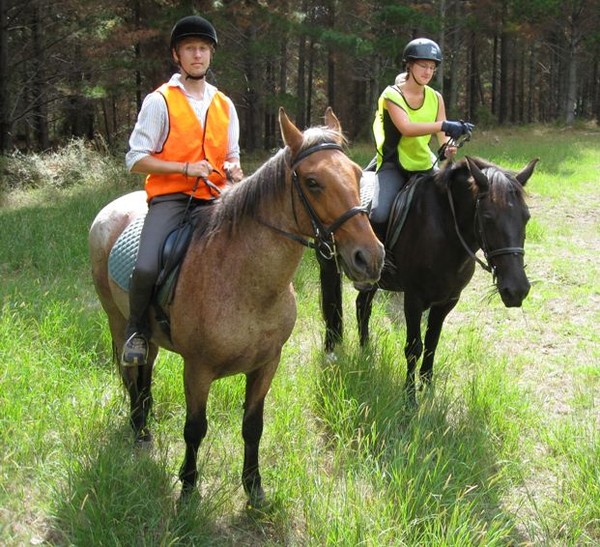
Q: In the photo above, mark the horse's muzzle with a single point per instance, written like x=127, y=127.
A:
x=512, y=297
x=364, y=265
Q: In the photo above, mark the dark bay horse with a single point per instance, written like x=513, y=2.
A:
x=465, y=207
x=234, y=307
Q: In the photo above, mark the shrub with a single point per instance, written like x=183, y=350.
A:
x=76, y=163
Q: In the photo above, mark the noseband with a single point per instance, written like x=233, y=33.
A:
x=324, y=239
x=480, y=229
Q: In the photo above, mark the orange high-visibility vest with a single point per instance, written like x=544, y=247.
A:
x=189, y=141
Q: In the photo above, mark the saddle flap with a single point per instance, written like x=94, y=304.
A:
x=400, y=209
x=175, y=246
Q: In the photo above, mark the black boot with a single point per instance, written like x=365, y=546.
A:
x=135, y=349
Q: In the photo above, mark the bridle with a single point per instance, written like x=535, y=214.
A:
x=323, y=236
x=479, y=226
x=480, y=230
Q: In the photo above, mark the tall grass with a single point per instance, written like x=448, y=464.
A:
x=502, y=450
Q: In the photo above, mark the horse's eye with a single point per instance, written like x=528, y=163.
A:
x=312, y=184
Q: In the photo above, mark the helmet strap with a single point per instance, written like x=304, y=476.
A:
x=196, y=78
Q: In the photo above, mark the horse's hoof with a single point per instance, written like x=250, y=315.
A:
x=257, y=501
x=143, y=438
x=186, y=496
x=330, y=357
x=411, y=400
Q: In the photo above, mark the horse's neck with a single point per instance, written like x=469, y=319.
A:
x=265, y=258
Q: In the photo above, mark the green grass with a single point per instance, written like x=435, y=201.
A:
x=504, y=449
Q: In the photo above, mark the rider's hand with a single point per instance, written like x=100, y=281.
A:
x=456, y=129
x=233, y=170
x=199, y=169
x=450, y=152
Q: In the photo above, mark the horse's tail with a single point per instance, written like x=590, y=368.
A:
x=331, y=302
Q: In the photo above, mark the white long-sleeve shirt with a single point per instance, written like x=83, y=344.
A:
x=152, y=125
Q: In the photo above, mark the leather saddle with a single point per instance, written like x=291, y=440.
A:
x=400, y=207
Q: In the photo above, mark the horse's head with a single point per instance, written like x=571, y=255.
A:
x=501, y=216
x=328, y=208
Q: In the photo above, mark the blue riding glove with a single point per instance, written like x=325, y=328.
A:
x=456, y=129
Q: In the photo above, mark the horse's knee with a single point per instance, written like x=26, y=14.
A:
x=413, y=351
x=195, y=430
x=252, y=424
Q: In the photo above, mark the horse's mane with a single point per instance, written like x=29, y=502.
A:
x=265, y=186
x=502, y=182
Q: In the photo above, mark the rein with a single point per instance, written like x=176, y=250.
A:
x=487, y=266
x=323, y=238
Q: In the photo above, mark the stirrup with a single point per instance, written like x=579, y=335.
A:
x=135, y=351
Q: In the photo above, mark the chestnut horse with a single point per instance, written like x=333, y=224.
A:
x=234, y=307
x=467, y=206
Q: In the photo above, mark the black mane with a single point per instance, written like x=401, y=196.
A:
x=502, y=182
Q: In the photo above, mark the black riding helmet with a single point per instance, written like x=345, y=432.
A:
x=193, y=25
x=422, y=48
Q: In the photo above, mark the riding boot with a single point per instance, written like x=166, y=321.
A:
x=135, y=349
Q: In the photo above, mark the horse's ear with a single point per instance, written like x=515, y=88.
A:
x=292, y=136
x=481, y=180
x=523, y=175
x=332, y=121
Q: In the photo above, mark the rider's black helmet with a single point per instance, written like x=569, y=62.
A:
x=193, y=25
x=422, y=48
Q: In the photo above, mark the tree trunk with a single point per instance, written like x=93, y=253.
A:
x=39, y=84
x=5, y=140
x=472, y=79
x=504, y=68
x=301, y=81
x=309, y=83
x=571, y=94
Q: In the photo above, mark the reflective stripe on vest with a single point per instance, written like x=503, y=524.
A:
x=412, y=153
x=185, y=144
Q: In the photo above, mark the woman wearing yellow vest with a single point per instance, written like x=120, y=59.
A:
x=408, y=114
x=186, y=140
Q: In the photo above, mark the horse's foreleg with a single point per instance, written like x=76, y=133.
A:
x=257, y=386
x=196, y=395
x=364, y=305
x=331, y=302
x=435, y=322
x=413, y=348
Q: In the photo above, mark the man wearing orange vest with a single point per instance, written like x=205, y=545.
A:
x=186, y=140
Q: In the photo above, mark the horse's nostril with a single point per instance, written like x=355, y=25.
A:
x=360, y=261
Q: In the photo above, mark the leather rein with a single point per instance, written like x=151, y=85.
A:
x=323, y=236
